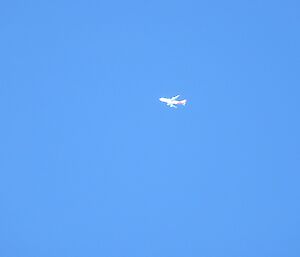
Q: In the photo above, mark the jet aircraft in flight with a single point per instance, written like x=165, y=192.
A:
x=172, y=102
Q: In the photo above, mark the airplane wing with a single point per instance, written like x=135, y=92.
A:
x=171, y=105
x=175, y=97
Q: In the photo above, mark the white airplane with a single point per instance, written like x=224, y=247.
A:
x=172, y=102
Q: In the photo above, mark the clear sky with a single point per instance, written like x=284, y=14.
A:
x=92, y=164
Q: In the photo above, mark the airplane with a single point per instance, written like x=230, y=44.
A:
x=172, y=102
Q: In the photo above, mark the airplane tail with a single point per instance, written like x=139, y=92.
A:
x=183, y=102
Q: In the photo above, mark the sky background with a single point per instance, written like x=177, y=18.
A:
x=92, y=164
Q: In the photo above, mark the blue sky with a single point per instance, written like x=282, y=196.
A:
x=92, y=164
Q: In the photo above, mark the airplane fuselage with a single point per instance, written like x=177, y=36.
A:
x=172, y=102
